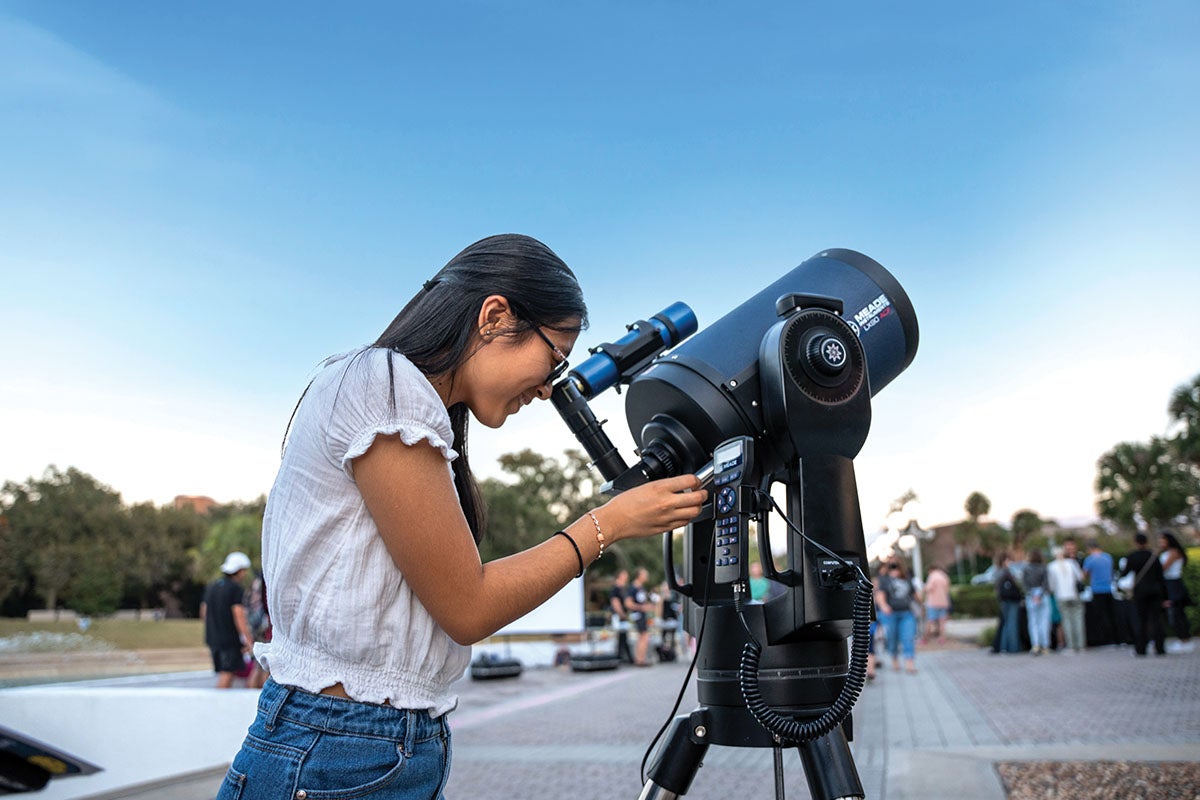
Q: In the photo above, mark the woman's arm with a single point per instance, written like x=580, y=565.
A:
x=410, y=495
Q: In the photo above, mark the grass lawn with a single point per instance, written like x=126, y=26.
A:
x=122, y=634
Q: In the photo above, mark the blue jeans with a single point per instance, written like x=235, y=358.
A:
x=1037, y=609
x=1010, y=617
x=902, y=632
x=330, y=747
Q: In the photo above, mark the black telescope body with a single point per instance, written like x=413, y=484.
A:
x=790, y=374
x=707, y=389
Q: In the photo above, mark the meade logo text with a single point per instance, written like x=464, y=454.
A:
x=876, y=309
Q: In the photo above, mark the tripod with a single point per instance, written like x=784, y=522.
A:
x=812, y=670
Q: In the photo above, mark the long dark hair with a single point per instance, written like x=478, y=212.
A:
x=1173, y=544
x=436, y=329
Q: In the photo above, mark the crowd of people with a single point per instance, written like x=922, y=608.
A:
x=1063, y=604
x=634, y=607
x=1126, y=601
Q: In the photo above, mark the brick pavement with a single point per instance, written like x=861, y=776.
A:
x=931, y=735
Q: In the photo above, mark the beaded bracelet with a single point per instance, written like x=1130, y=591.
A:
x=578, y=555
x=599, y=534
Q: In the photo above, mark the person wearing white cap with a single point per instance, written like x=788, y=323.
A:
x=226, y=628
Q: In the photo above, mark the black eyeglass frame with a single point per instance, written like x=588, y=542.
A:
x=559, y=368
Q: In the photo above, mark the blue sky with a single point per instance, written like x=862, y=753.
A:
x=198, y=203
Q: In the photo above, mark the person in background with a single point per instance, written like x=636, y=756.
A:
x=1037, y=603
x=1149, y=596
x=1066, y=579
x=259, y=618
x=1173, y=559
x=759, y=584
x=896, y=597
x=668, y=622
x=620, y=615
x=1008, y=592
x=226, y=629
x=937, y=603
x=638, y=602
x=1098, y=570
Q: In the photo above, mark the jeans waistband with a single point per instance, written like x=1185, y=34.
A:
x=338, y=714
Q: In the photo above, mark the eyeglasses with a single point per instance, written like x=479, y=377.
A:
x=561, y=366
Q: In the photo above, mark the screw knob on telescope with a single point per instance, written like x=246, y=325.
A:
x=827, y=355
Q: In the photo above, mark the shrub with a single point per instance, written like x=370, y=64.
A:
x=975, y=601
x=1191, y=580
x=987, y=636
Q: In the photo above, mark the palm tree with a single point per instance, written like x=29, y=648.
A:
x=966, y=533
x=1184, y=410
x=1143, y=484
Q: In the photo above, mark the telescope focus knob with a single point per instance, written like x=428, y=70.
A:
x=827, y=355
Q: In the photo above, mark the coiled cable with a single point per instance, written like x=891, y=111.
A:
x=791, y=730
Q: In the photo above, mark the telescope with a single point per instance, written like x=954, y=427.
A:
x=777, y=393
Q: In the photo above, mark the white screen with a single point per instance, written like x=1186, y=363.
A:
x=562, y=613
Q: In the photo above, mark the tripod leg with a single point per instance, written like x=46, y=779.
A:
x=678, y=758
x=829, y=767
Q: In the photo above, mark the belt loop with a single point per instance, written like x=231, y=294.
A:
x=282, y=694
x=410, y=731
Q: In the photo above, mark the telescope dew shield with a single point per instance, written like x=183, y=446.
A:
x=708, y=386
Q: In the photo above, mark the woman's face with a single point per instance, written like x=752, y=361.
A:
x=509, y=371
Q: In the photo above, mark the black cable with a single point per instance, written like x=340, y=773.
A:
x=792, y=730
x=789, y=729
x=686, y=679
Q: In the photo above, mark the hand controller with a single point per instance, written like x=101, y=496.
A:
x=733, y=461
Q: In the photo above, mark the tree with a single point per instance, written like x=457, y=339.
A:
x=1143, y=484
x=1184, y=411
x=967, y=532
x=1026, y=524
x=61, y=522
x=157, y=555
x=241, y=532
x=545, y=495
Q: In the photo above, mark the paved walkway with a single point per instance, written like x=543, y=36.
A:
x=937, y=734
x=933, y=735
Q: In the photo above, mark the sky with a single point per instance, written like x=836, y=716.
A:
x=199, y=202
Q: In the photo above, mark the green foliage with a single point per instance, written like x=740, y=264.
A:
x=1191, y=579
x=1144, y=481
x=993, y=538
x=544, y=495
x=57, y=523
x=977, y=505
x=1184, y=411
x=241, y=532
x=1025, y=524
x=69, y=539
x=986, y=636
x=974, y=601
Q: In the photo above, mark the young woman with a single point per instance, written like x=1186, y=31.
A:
x=895, y=597
x=374, y=580
x=1174, y=558
x=1037, y=602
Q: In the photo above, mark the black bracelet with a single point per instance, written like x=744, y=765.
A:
x=578, y=555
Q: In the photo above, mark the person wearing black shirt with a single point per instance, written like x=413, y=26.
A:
x=1149, y=594
x=616, y=604
x=226, y=628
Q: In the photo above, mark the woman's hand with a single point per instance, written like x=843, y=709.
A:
x=651, y=508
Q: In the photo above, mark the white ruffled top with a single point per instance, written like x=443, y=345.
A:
x=340, y=609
